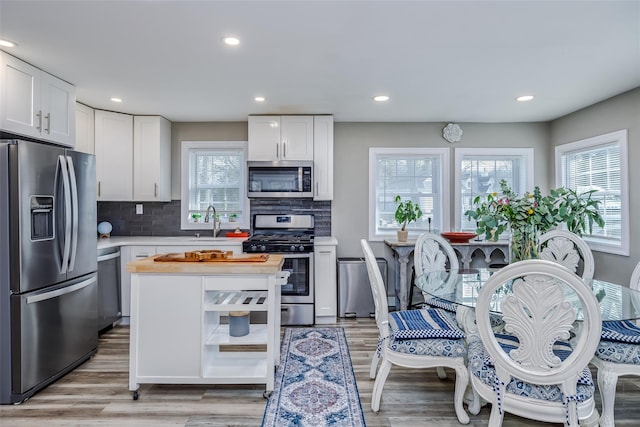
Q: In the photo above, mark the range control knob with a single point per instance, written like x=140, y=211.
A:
x=263, y=248
x=253, y=248
x=301, y=248
x=292, y=248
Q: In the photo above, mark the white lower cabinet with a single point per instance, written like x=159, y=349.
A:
x=168, y=337
x=326, y=298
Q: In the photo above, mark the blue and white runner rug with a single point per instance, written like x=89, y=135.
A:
x=315, y=384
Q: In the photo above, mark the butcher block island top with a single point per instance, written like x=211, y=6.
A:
x=240, y=263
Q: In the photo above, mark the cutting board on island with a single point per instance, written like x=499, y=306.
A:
x=228, y=257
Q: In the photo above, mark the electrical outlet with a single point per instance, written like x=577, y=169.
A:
x=139, y=209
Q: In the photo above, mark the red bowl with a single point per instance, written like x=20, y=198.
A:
x=458, y=236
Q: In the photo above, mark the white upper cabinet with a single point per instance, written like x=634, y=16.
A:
x=133, y=157
x=323, y=157
x=151, y=159
x=280, y=138
x=35, y=103
x=85, y=129
x=114, y=155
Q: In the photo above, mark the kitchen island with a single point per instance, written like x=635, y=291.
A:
x=178, y=332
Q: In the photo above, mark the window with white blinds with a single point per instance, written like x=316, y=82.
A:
x=479, y=172
x=214, y=174
x=415, y=174
x=599, y=163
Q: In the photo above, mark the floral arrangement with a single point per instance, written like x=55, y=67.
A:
x=531, y=214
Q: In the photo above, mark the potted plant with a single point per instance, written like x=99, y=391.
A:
x=233, y=217
x=196, y=216
x=406, y=212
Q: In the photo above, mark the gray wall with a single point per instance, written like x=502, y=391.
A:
x=620, y=112
x=351, y=166
x=351, y=160
x=209, y=131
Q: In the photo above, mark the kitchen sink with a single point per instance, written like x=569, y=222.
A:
x=196, y=239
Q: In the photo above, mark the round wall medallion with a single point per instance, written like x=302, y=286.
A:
x=452, y=132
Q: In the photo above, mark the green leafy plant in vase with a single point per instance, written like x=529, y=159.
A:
x=406, y=213
x=530, y=215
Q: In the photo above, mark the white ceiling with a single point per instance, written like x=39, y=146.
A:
x=439, y=61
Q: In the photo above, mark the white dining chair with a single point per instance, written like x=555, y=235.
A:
x=530, y=369
x=433, y=253
x=567, y=249
x=618, y=354
x=409, y=347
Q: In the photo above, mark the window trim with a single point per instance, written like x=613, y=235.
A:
x=184, y=184
x=445, y=166
x=526, y=153
x=619, y=137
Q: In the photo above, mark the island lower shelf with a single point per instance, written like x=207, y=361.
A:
x=179, y=329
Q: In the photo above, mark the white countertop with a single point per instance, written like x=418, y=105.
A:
x=166, y=240
x=325, y=241
x=188, y=240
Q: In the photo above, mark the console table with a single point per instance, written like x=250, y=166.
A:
x=403, y=250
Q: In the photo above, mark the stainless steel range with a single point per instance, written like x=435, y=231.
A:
x=291, y=236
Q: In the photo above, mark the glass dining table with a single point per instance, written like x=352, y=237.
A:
x=461, y=287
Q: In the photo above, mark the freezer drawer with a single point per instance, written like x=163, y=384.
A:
x=58, y=331
x=354, y=291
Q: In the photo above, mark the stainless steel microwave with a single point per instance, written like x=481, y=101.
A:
x=280, y=179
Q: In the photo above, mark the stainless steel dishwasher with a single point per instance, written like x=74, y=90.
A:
x=109, y=298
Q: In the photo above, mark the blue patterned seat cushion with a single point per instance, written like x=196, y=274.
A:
x=619, y=352
x=424, y=323
x=481, y=365
x=440, y=303
x=620, y=330
x=441, y=347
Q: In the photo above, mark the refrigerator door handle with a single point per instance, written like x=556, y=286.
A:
x=61, y=291
x=74, y=213
x=64, y=267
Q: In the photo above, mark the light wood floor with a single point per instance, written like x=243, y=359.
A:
x=96, y=394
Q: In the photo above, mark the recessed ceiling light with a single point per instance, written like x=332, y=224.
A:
x=7, y=43
x=524, y=98
x=259, y=99
x=381, y=98
x=232, y=41
x=114, y=99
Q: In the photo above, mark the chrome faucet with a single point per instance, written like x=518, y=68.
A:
x=216, y=221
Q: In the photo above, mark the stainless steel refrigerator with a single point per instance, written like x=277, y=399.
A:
x=48, y=264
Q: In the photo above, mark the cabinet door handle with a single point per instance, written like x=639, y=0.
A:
x=48, y=128
x=277, y=151
x=317, y=191
x=324, y=252
x=284, y=150
x=99, y=189
x=39, y=116
x=155, y=189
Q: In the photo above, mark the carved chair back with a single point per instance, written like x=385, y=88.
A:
x=432, y=253
x=567, y=249
x=536, y=311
